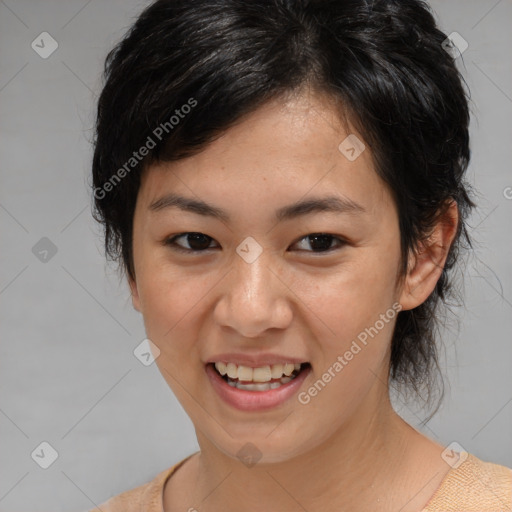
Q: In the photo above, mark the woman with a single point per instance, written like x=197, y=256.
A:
x=282, y=183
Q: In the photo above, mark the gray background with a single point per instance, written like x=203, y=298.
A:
x=68, y=374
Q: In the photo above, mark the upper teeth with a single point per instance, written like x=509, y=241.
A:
x=260, y=374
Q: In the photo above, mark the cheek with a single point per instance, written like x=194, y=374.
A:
x=349, y=300
x=169, y=294
x=171, y=306
x=358, y=306
x=171, y=302
x=354, y=359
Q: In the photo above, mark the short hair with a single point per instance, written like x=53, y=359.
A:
x=187, y=71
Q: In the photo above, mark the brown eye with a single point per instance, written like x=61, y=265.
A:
x=197, y=242
x=322, y=242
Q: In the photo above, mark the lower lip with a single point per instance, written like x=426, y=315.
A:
x=255, y=400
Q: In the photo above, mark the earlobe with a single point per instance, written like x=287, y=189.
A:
x=427, y=263
x=135, y=294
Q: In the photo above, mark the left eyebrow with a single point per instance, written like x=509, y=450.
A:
x=300, y=208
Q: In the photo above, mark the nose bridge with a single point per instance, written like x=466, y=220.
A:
x=251, y=280
x=254, y=299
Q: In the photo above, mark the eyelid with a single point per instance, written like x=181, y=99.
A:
x=170, y=242
x=341, y=242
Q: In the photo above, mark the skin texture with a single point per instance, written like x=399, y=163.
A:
x=346, y=449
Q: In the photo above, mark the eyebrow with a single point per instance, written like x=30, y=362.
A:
x=333, y=204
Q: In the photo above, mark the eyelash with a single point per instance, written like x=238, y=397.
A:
x=171, y=242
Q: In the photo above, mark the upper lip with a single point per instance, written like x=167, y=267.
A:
x=254, y=361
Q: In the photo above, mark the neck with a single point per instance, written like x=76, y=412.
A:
x=351, y=470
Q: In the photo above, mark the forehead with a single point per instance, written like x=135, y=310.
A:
x=282, y=151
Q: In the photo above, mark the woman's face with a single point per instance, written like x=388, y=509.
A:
x=254, y=290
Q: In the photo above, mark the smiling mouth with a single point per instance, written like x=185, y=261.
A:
x=258, y=379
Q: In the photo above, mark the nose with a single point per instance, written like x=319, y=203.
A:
x=254, y=298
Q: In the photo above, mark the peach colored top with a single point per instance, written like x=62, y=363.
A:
x=474, y=486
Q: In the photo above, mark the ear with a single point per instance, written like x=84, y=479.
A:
x=427, y=263
x=135, y=293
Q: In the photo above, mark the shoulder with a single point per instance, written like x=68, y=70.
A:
x=475, y=485
x=147, y=496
